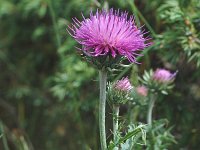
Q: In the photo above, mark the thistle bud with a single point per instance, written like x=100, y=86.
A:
x=142, y=91
x=159, y=81
x=119, y=92
x=123, y=85
x=163, y=75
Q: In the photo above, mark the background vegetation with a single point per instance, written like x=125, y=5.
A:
x=48, y=94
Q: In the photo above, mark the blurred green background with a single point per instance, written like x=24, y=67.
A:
x=49, y=95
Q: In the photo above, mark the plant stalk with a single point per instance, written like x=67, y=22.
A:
x=139, y=15
x=115, y=123
x=102, y=107
x=5, y=143
x=55, y=24
x=150, y=110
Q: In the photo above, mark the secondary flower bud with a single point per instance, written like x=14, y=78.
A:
x=159, y=81
x=119, y=92
x=142, y=90
x=163, y=75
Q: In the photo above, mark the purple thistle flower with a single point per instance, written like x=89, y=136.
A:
x=123, y=85
x=109, y=33
x=163, y=75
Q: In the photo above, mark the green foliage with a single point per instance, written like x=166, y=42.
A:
x=159, y=136
x=131, y=138
x=180, y=17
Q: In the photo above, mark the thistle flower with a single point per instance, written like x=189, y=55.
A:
x=119, y=92
x=163, y=75
x=142, y=90
x=109, y=33
x=123, y=85
x=159, y=81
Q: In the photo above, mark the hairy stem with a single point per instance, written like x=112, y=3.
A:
x=150, y=110
x=102, y=107
x=115, y=123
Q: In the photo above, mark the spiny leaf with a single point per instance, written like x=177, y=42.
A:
x=131, y=134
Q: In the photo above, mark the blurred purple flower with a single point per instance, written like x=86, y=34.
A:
x=109, y=33
x=163, y=75
x=123, y=85
x=142, y=90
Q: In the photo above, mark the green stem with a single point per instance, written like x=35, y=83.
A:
x=102, y=107
x=133, y=7
x=136, y=11
x=5, y=143
x=105, y=5
x=115, y=123
x=55, y=25
x=133, y=113
x=150, y=110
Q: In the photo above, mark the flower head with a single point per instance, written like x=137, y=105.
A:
x=142, y=90
x=163, y=75
x=109, y=33
x=123, y=85
x=159, y=81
